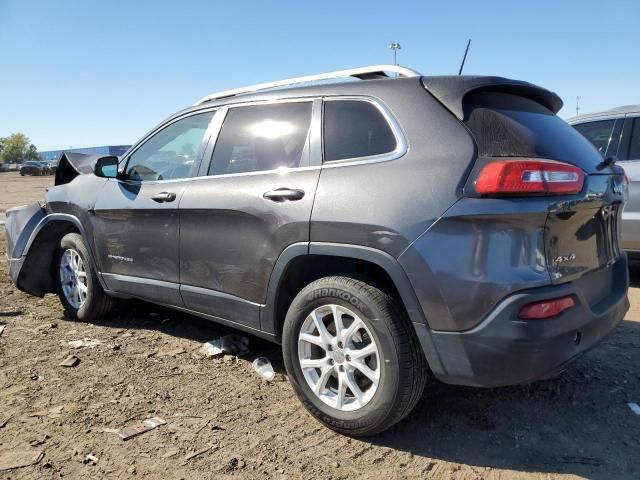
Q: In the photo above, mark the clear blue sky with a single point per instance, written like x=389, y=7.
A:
x=88, y=72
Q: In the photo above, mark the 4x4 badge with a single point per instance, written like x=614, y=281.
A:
x=564, y=258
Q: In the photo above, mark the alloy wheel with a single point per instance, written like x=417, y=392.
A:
x=339, y=357
x=73, y=278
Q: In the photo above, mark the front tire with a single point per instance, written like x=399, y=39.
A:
x=352, y=356
x=77, y=284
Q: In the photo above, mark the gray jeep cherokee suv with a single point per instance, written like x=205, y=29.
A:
x=379, y=229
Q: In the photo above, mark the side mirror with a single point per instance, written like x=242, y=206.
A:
x=106, y=167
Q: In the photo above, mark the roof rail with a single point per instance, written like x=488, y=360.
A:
x=363, y=73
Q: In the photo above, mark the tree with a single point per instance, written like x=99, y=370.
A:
x=16, y=148
x=32, y=153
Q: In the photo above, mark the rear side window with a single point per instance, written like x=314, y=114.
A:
x=262, y=137
x=507, y=125
x=634, y=147
x=598, y=133
x=355, y=129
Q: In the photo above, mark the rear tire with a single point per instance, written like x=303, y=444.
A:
x=77, y=284
x=368, y=377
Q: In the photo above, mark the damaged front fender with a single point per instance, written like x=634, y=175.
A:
x=71, y=164
x=32, y=240
x=20, y=224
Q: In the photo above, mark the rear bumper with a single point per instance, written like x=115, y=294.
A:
x=503, y=350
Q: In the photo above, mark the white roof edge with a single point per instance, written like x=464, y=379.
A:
x=360, y=72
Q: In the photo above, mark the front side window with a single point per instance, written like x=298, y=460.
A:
x=355, y=129
x=173, y=152
x=261, y=138
x=598, y=133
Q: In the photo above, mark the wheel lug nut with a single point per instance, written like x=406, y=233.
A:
x=339, y=344
x=347, y=358
x=341, y=368
x=331, y=361
x=329, y=348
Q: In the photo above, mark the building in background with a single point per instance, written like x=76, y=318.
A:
x=118, y=150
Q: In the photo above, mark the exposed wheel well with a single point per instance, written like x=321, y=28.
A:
x=36, y=276
x=305, y=269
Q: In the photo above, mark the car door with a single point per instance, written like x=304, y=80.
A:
x=254, y=200
x=629, y=156
x=135, y=219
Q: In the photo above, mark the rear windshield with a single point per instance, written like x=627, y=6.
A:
x=507, y=125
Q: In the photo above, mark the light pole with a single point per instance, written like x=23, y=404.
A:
x=578, y=105
x=395, y=47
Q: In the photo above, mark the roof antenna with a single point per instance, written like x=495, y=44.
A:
x=464, y=58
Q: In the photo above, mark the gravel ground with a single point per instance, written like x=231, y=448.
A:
x=575, y=426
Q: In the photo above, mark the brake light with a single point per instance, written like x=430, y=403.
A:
x=528, y=176
x=546, y=308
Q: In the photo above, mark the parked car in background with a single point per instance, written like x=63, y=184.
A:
x=46, y=167
x=616, y=132
x=381, y=230
x=32, y=168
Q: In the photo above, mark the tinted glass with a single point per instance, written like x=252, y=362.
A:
x=598, y=133
x=506, y=125
x=262, y=137
x=634, y=146
x=173, y=152
x=355, y=129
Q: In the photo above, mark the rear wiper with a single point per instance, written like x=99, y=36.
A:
x=607, y=162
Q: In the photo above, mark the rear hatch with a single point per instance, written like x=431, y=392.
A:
x=582, y=228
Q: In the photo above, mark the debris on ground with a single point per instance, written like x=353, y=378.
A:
x=234, y=464
x=199, y=452
x=70, y=361
x=84, y=343
x=232, y=344
x=39, y=441
x=203, y=426
x=635, y=408
x=263, y=367
x=45, y=327
x=137, y=428
x=4, y=421
x=171, y=352
x=10, y=459
x=56, y=411
x=170, y=452
x=2, y=329
x=91, y=458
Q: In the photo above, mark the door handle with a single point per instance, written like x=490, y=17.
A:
x=283, y=194
x=164, y=197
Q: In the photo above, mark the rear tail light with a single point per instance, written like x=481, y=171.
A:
x=546, y=308
x=528, y=176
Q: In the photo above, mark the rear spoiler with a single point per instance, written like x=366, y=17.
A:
x=451, y=90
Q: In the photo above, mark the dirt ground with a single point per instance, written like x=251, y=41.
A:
x=576, y=426
x=17, y=190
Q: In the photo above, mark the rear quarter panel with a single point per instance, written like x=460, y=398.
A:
x=386, y=205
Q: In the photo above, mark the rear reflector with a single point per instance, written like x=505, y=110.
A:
x=528, y=176
x=546, y=308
